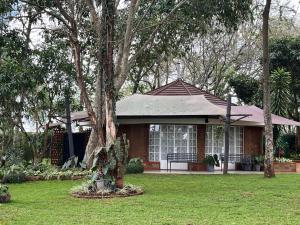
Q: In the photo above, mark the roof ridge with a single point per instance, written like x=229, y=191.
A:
x=160, y=89
x=183, y=84
x=207, y=92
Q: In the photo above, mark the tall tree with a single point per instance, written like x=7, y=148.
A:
x=268, y=164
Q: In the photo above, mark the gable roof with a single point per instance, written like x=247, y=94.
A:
x=179, y=87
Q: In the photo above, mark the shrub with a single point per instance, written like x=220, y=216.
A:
x=286, y=142
x=4, y=194
x=211, y=160
x=14, y=156
x=14, y=174
x=135, y=165
x=1, y=174
x=282, y=160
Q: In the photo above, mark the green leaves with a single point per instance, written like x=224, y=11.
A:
x=247, y=88
x=280, y=92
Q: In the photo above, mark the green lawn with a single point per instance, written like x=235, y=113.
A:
x=168, y=199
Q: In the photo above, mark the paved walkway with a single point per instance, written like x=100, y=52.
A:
x=199, y=172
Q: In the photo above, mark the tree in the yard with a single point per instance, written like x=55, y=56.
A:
x=280, y=96
x=285, y=53
x=268, y=162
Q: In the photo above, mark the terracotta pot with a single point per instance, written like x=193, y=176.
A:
x=120, y=182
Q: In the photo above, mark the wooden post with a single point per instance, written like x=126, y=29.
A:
x=68, y=125
x=227, y=134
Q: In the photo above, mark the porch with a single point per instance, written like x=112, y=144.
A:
x=185, y=172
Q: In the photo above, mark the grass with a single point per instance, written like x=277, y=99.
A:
x=168, y=199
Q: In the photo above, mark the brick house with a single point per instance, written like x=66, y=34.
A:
x=181, y=118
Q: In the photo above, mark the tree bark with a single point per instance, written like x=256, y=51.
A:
x=107, y=32
x=268, y=163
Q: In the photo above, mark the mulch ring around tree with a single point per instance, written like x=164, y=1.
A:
x=106, y=195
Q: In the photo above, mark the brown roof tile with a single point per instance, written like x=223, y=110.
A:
x=179, y=87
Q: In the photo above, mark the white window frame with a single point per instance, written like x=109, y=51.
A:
x=189, y=149
x=210, y=149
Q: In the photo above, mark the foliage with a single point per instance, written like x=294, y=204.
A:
x=14, y=156
x=211, y=160
x=41, y=171
x=259, y=160
x=295, y=156
x=280, y=92
x=285, y=54
x=3, y=190
x=89, y=187
x=14, y=174
x=4, y=194
x=71, y=163
x=286, y=142
x=110, y=162
x=246, y=88
x=282, y=160
x=86, y=187
x=135, y=165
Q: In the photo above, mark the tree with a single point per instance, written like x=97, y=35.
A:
x=285, y=53
x=247, y=89
x=140, y=26
x=280, y=96
x=269, y=169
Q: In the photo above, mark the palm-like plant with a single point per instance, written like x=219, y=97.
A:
x=280, y=96
x=280, y=91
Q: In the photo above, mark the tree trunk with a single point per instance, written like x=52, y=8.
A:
x=92, y=144
x=107, y=32
x=227, y=134
x=269, y=169
x=298, y=139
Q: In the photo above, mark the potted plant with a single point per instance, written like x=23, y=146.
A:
x=211, y=162
x=4, y=194
x=258, y=162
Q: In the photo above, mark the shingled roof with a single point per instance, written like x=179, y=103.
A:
x=179, y=87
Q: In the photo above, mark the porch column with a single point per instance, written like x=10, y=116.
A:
x=201, y=141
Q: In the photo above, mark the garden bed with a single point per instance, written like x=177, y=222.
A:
x=101, y=196
x=55, y=177
x=287, y=167
x=90, y=190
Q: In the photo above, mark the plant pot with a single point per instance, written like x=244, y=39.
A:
x=257, y=167
x=4, y=198
x=100, y=184
x=246, y=167
x=120, y=182
x=210, y=168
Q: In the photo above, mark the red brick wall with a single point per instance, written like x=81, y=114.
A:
x=253, y=140
x=138, y=136
x=201, y=141
x=285, y=167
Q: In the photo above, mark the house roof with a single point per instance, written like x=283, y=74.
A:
x=257, y=116
x=181, y=88
x=180, y=105
x=179, y=98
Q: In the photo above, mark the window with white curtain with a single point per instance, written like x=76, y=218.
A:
x=215, y=140
x=164, y=139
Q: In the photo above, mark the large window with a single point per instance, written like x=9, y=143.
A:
x=215, y=140
x=164, y=139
